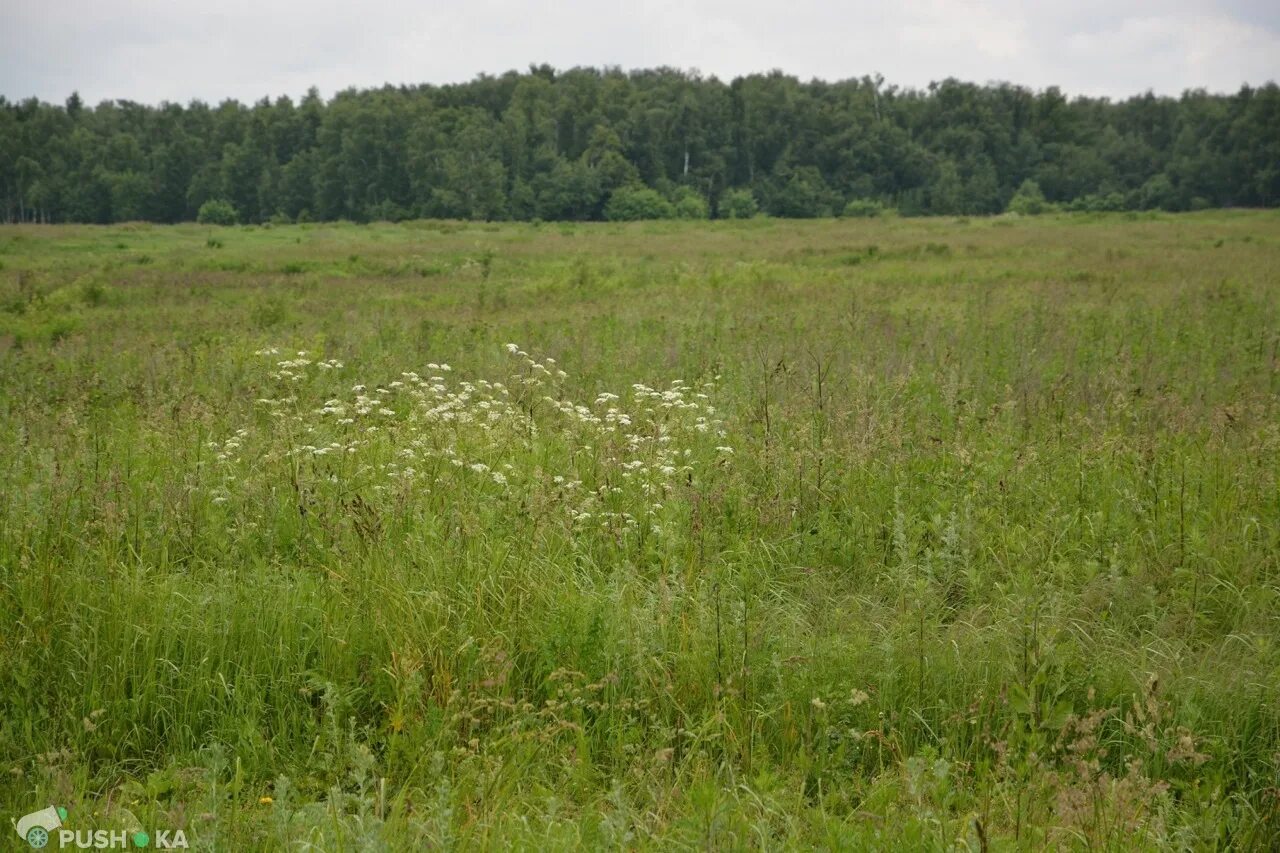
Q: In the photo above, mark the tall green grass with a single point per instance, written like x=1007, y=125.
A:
x=976, y=543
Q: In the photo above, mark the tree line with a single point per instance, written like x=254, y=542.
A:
x=603, y=143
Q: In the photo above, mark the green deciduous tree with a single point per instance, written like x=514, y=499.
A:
x=217, y=212
x=738, y=204
x=690, y=204
x=560, y=145
x=1028, y=200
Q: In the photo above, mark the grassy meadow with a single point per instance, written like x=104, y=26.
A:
x=919, y=534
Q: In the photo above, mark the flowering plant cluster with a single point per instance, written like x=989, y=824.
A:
x=609, y=464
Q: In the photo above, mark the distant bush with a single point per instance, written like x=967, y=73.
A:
x=690, y=204
x=1028, y=200
x=801, y=193
x=386, y=211
x=216, y=211
x=633, y=203
x=863, y=208
x=1098, y=203
x=738, y=204
x=1158, y=193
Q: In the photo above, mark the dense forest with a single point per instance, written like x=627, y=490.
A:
x=609, y=144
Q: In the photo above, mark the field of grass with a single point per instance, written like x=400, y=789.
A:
x=910, y=534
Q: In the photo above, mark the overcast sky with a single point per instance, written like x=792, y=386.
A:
x=177, y=50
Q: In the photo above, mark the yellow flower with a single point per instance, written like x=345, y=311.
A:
x=266, y=801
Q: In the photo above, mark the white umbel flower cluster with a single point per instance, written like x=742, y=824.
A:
x=610, y=465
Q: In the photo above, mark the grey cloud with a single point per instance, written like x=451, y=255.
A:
x=148, y=50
